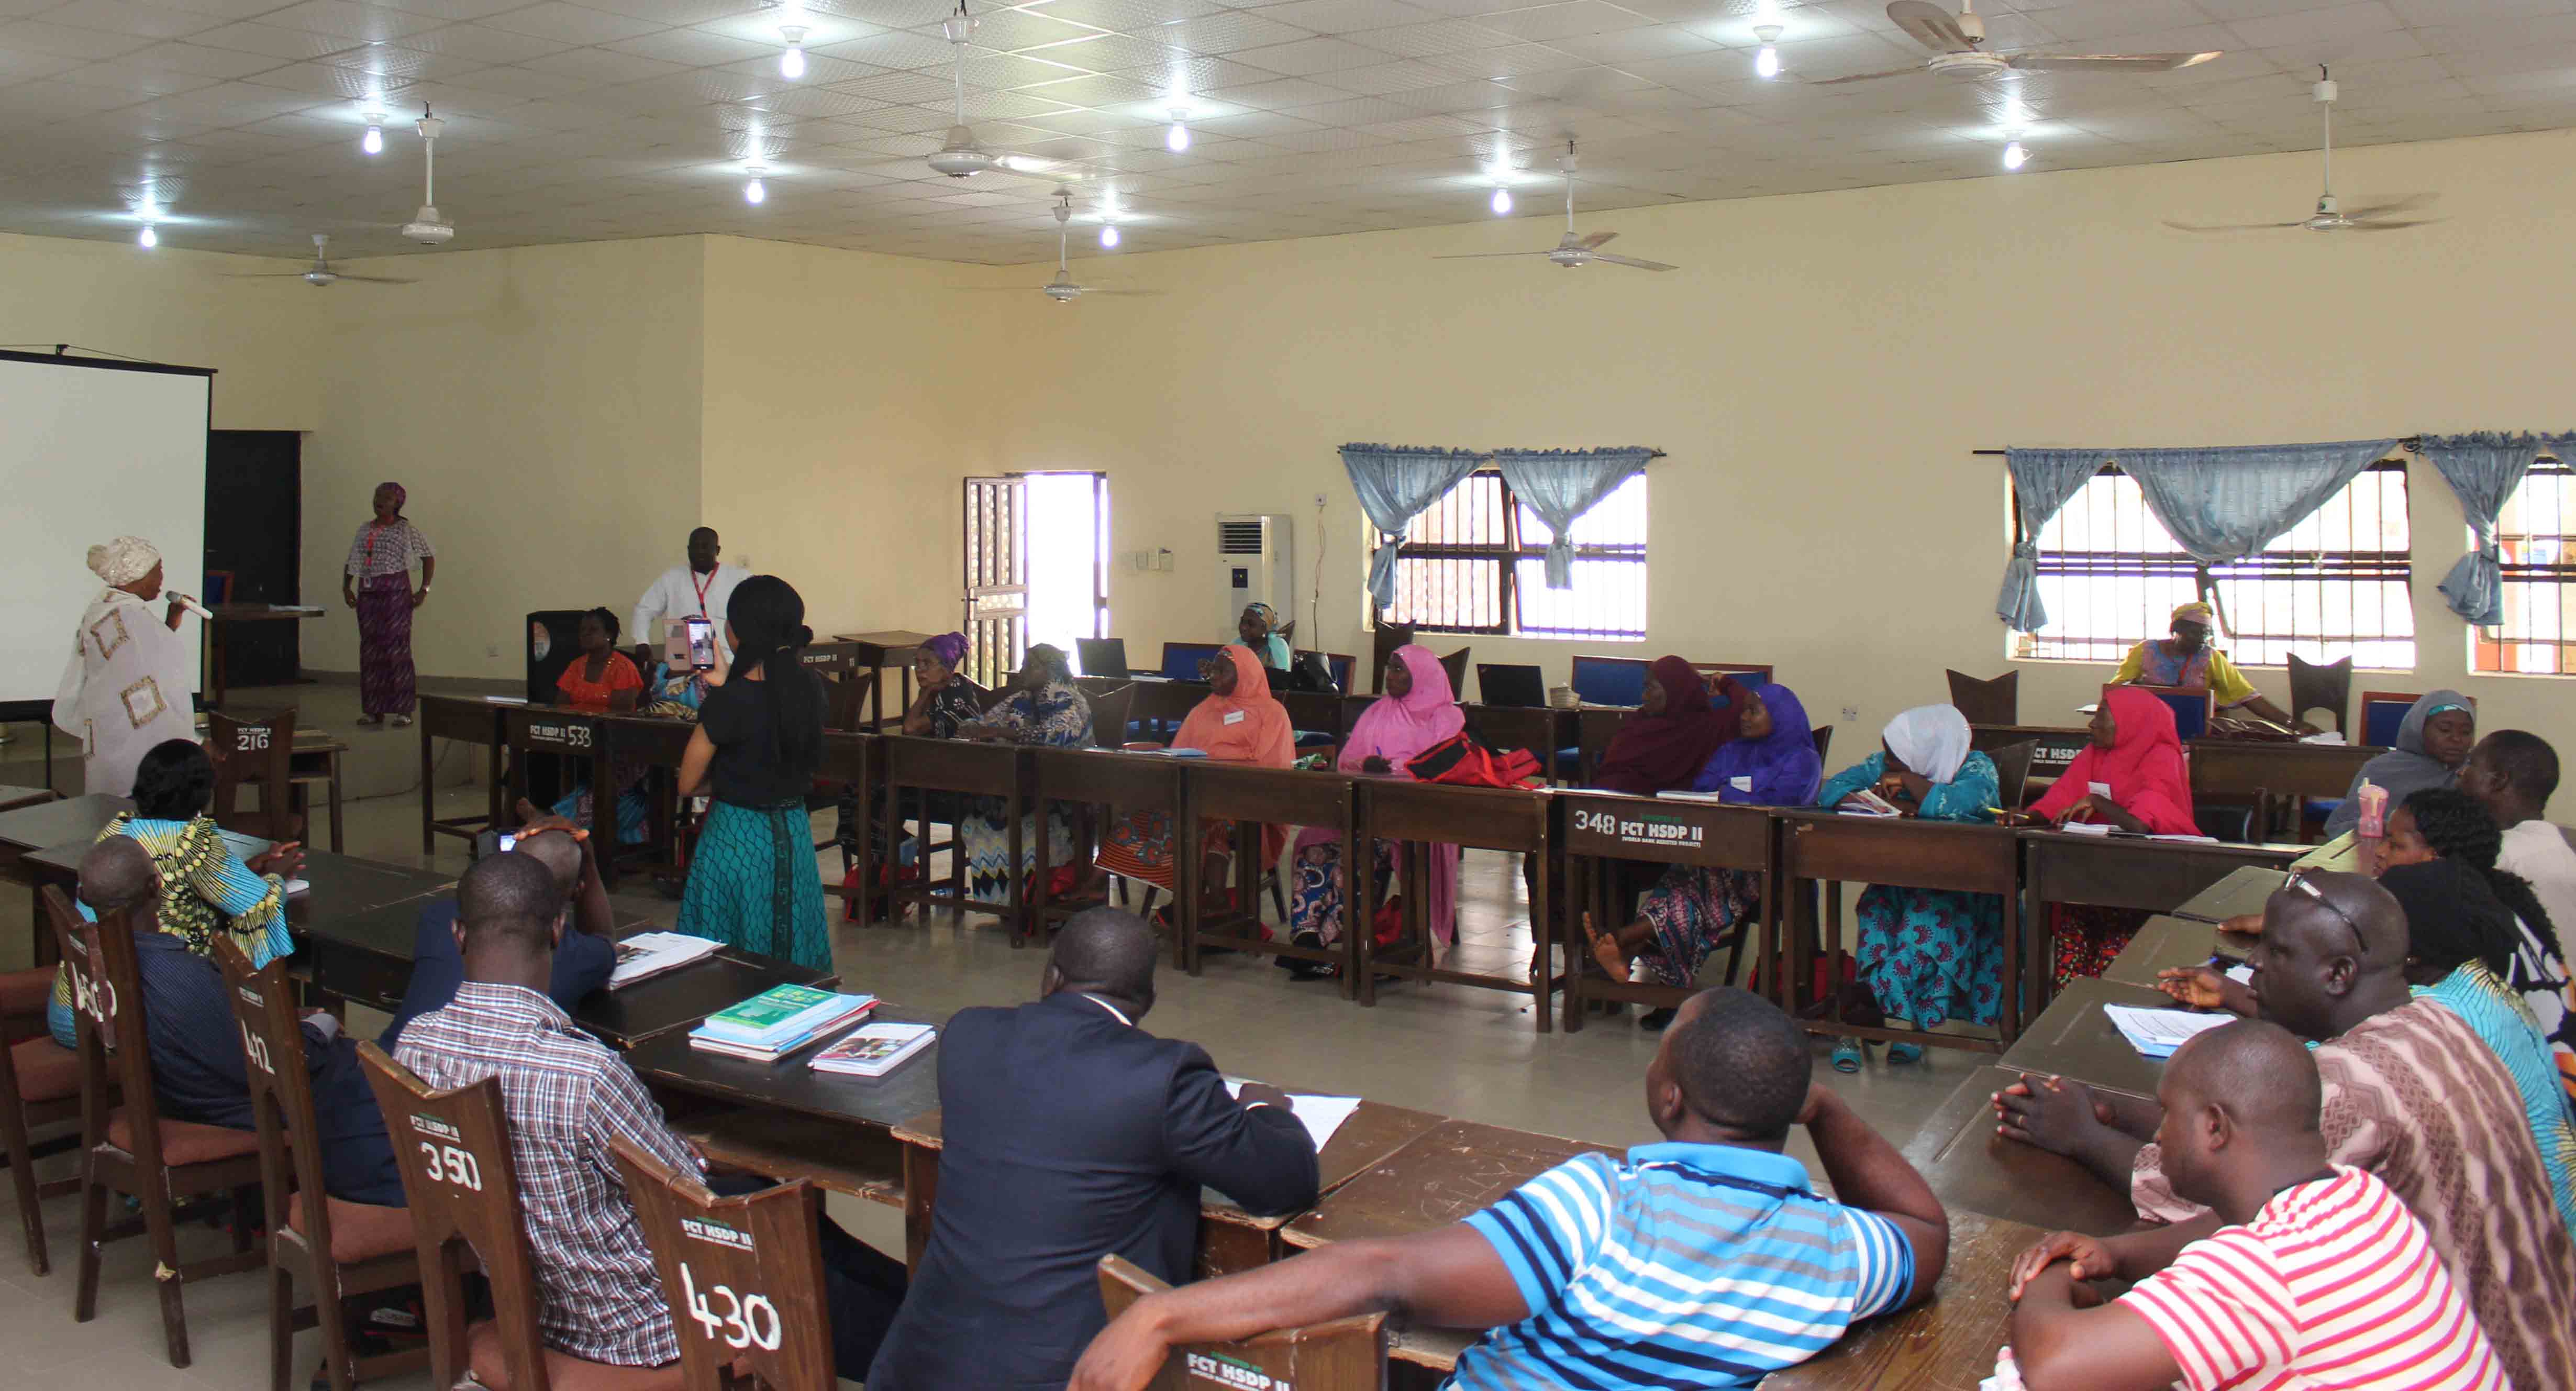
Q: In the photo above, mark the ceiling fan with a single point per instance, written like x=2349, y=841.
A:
x=964, y=157
x=2331, y=215
x=1958, y=42
x=321, y=275
x=1572, y=252
x=426, y=226
x=1062, y=289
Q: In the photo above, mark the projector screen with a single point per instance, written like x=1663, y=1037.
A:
x=90, y=451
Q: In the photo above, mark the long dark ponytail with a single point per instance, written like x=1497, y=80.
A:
x=768, y=619
x=2459, y=827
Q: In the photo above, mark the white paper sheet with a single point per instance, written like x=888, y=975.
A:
x=1321, y=1115
x=2156, y=1033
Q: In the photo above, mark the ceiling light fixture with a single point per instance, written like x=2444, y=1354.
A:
x=791, y=64
x=1177, y=138
x=1109, y=236
x=755, y=192
x=2015, y=156
x=374, y=141
x=1502, y=201
x=1766, y=64
x=147, y=237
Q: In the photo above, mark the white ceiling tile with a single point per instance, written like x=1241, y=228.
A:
x=121, y=17
x=272, y=41
x=65, y=41
x=353, y=22
x=554, y=19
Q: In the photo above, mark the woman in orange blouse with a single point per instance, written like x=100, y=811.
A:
x=601, y=678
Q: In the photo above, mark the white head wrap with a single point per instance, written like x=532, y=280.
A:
x=123, y=560
x=1930, y=739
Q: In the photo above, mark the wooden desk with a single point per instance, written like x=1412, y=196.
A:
x=468, y=720
x=1946, y=1343
x=226, y=616
x=1252, y=797
x=2057, y=744
x=894, y=647
x=961, y=769
x=1421, y=815
x=1829, y=848
x=1603, y=827
x=12, y=798
x=70, y=822
x=2167, y=941
x=2073, y=1038
x=2128, y=872
x=666, y=1060
x=1119, y=782
x=2282, y=768
x=1543, y=732
x=1443, y=1174
x=1974, y=1170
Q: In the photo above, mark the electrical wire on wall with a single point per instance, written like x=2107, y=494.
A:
x=1315, y=597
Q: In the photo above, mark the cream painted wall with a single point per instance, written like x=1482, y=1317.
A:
x=1819, y=372
x=174, y=305
x=543, y=407
x=839, y=387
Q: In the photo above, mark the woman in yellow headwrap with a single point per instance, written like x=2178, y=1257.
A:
x=2187, y=659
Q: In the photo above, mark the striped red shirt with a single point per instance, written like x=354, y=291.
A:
x=2332, y=1287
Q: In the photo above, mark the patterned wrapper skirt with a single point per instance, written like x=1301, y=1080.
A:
x=384, y=645
x=753, y=884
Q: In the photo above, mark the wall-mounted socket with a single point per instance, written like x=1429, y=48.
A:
x=1319, y=502
x=1851, y=712
x=491, y=649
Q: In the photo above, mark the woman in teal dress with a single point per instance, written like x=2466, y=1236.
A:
x=1927, y=955
x=752, y=880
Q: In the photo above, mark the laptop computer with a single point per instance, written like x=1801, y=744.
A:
x=1508, y=684
x=1101, y=656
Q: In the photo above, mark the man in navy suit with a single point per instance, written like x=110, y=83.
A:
x=1070, y=1134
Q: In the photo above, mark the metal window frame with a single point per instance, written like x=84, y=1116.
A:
x=1507, y=556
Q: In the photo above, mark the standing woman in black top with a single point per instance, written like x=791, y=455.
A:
x=752, y=881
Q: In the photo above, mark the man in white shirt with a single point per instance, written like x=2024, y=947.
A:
x=699, y=589
x=2512, y=773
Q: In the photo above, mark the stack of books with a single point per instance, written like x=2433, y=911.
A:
x=778, y=1021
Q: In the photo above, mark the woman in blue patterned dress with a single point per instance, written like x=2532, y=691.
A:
x=1928, y=955
x=1043, y=708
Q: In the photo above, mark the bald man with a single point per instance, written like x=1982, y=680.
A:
x=2320, y=1278
x=198, y=1071
x=2410, y=1093
x=1070, y=1134
x=584, y=956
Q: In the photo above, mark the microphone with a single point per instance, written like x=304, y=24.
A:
x=187, y=603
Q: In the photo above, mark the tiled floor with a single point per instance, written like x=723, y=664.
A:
x=1449, y=1049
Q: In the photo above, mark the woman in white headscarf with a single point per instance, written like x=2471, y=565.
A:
x=126, y=687
x=1927, y=955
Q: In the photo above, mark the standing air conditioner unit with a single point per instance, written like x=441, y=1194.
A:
x=1255, y=563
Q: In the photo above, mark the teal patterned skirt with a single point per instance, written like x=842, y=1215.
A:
x=753, y=884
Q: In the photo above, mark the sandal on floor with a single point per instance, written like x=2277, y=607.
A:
x=400, y=721
x=1656, y=1021
x=1846, y=1055
x=1905, y=1052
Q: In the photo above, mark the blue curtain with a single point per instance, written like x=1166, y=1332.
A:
x=2483, y=469
x=1394, y=485
x=2226, y=504
x=2043, y=479
x=1560, y=485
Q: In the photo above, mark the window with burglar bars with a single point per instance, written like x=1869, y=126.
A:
x=2337, y=585
x=1474, y=562
x=2538, y=635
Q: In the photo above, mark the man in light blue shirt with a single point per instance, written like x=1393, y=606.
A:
x=1704, y=1261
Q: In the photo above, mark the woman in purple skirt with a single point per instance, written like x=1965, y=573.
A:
x=377, y=584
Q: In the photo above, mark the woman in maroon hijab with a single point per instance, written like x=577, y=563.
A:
x=1664, y=745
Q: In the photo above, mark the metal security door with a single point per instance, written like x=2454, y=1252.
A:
x=997, y=577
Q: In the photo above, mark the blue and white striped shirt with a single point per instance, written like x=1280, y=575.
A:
x=1684, y=1265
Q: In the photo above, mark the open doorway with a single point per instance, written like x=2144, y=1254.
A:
x=1068, y=557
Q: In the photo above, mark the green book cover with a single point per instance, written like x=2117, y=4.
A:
x=769, y=1009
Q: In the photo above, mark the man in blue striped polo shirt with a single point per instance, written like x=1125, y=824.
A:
x=1704, y=1261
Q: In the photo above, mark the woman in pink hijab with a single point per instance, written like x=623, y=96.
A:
x=1417, y=711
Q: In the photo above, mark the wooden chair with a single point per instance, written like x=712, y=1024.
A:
x=1995, y=701
x=1337, y=665
x=1455, y=664
x=1109, y=717
x=463, y=1185
x=744, y=1276
x=2012, y=772
x=1343, y=1355
x=1823, y=734
x=1754, y=674
x=39, y=1088
x=130, y=1151
x=848, y=701
x=2323, y=686
x=254, y=753
x=339, y=1249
